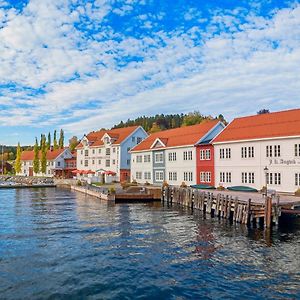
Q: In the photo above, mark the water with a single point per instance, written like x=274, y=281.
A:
x=56, y=244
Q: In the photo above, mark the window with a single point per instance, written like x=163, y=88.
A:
x=202, y=154
x=86, y=163
x=114, y=150
x=226, y=151
x=187, y=155
x=107, y=151
x=138, y=175
x=277, y=150
x=159, y=158
x=244, y=153
x=208, y=177
x=202, y=176
x=114, y=162
x=188, y=176
x=99, y=151
x=93, y=162
x=81, y=152
x=173, y=176
x=86, y=152
x=138, y=140
x=93, y=151
x=207, y=154
x=58, y=163
x=225, y=177
x=297, y=149
x=133, y=139
x=147, y=158
x=128, y=162
x=147, y=175
x=99, y=161
x=274, y=178
x=139, y=158
x=247, y=177
x=297, y=179
x=128, y=149
x=172, y=156
x=81, y=162
x=107, y=163
x=159, y=175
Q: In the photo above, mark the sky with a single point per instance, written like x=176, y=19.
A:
x=82, y=65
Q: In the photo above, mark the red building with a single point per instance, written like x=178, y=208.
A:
x=205, y=164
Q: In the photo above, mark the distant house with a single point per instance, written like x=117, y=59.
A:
x=106, y=152
x=172, y=155
x=56, y=162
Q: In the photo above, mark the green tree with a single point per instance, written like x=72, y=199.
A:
x=44, y=157
x=49, y=141
x=36, y=161
x=155, y=128
x=73, y=142
x=18, y=160
x=192, y=119
x=55, y=145
x=61, y=139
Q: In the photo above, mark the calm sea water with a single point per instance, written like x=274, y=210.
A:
x=56, y=244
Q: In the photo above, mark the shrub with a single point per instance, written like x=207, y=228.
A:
x=112, y=191
x=297, y=193
x=165, y=184
x=79, y=183
x=147, y=183
x=263, y=190
x=183, y=185
x=134, y=182
x=220, y=188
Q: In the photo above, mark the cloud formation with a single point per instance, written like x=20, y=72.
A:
x=83, y=65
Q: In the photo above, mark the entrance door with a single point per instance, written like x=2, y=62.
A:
x=30, y=171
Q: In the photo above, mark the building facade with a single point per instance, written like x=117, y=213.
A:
x=260, y=150
x=171, y=155
x=56, y=162
x=106, y=152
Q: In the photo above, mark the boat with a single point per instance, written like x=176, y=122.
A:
x=240, y=188
x=203, y=187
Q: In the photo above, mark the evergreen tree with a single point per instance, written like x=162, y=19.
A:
x=44, y=157
x=36, y=161
x=61, y=139
x=18, y=160
x=49, y=141
x=55, y=145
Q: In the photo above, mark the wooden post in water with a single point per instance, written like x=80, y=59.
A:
x=268, y=212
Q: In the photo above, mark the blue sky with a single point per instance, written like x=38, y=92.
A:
x=81, y=65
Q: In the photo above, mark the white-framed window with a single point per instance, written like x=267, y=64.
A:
x=173, y=176
x=159, y=176
x=297, y=149
x=202, y=176
x=147, y=158
x=248, y=177
x=99, y=150
x=138, y=175
x=188, y=176
x=113, y=161
x=207, y=154
x=188, y=155
x=277, y=151
x=225, y=177
x=114, y=150
x=172, y=156
x=159, y=157
x=81, y=152
x=138, y=140
x=81, y=162
x=202, y=154
x=297, y=179
x=147, y=175
x=93, y=162
x=225, y=153
x=208, y=177
x=139, y=158
x=99, y=161
x=274, y=178
x=86, y=152
x=107, y=151
x=107, y=163
x=86, y=163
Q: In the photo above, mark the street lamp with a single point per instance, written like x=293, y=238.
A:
x=266, y=170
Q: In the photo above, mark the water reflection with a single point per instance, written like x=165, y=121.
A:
x=60, y=244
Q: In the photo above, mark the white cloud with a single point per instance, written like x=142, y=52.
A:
x=224, y=69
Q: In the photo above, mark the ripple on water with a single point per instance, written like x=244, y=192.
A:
x=57, y=244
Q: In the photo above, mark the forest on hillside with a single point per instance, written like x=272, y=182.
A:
x=162, y=122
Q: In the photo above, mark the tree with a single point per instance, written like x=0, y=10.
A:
x=49, y=141
x=192, y=119
x=44, y=157
x=73, y=142
x=61, y=139
x=36, y=161
x=263, y=111
x=18, y=160
x=55, y=145
x=154, y=128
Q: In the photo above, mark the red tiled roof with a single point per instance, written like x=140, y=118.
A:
x=188, y=135
x=29, y=155
x=119, y=134
x=277, y=124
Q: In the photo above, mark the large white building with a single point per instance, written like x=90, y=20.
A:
x=106, y=152
x=249, y=145
x=56, y=162
x=171, y=155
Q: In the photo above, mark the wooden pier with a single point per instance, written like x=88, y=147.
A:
x=244, y=208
